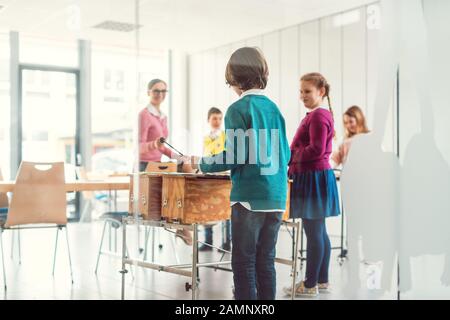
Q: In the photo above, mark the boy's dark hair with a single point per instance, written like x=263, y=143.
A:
x=247, y=69
x=212, y=111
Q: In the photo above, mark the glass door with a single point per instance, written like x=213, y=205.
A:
x=49, y=113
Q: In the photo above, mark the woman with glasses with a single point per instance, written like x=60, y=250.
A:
x=153, y=127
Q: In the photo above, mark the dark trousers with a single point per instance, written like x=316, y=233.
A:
x=254, y=237
x=318, y=252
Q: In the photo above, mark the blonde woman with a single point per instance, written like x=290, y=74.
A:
x=354, y=124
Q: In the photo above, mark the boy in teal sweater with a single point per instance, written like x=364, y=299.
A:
x=257, y=153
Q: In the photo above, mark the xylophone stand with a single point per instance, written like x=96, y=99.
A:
x=191, y=270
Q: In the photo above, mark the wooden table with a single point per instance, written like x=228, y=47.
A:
x=75, y=186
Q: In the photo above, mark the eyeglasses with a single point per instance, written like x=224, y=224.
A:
x=156, y=91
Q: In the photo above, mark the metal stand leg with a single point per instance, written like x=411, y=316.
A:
x=294, y=264
x=109, y=231
x=160, y=246
x=100, y=248
x=109, y=201
x=344, y=251
x=124, y=253
x=194, y=261
x=3, y=258
x=302, y=250
x=115, y=240
x=131, y=266
x=147, y=231
x=293, y=240
x=68, y=252
x=224, y=230
x=115, y=200
x=56, y=247
x=153, y=244
x=196, y=245
x=172, y=241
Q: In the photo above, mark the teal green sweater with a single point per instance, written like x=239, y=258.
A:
x=256, y=152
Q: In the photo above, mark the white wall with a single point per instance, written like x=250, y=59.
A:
x=338, y=46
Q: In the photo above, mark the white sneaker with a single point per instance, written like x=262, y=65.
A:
x=324, y=287
x=302, y=291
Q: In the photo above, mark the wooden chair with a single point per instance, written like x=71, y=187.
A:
x=4, y=208
x=39, y=201
x=4, y=202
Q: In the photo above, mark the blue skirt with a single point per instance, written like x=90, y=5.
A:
x=314, y=195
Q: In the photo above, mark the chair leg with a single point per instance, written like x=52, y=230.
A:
x=56, y=247
x=18, y=244
x=3, y=258
x=68, y=252
x=101, y=245
x=13, y=240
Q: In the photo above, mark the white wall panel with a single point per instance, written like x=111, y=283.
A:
x=373, y=25
x=289, y=80
x=354, y=59
x=254, y=42
x=196, y=101
x=271, y=50
x=309, y=47
x=331, y=67
x=309, y=52
x=209, y=90
x=222, y=96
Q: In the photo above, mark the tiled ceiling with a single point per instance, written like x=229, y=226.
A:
x=183, y=24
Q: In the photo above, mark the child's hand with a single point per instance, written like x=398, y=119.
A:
x=194, y=162
x=187, y=167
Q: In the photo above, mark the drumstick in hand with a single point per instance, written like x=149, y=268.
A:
x=163, y=141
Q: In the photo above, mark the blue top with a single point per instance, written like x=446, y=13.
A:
x=256, y=151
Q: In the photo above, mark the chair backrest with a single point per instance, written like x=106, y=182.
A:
x=39, y=195
x=4, y=203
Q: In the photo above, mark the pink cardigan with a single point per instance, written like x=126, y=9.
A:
x=151, y=128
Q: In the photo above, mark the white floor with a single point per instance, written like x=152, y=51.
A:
x=33, y=279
